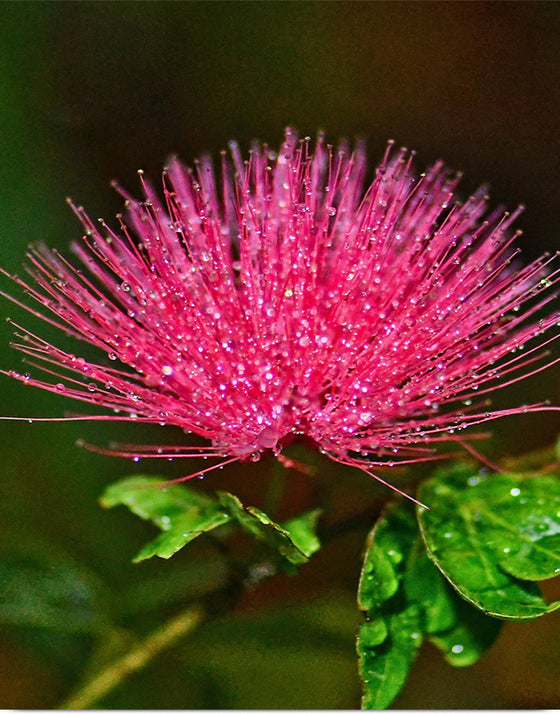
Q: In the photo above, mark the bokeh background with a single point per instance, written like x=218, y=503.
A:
x=93, y=91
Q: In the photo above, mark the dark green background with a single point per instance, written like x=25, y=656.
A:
x=93, y=91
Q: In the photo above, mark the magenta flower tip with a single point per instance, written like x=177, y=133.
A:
x=282, y=297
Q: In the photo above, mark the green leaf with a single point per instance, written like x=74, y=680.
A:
x=385, y=661
x=180, y=512
x=149, y=498
x=302, y=530
x=406, y=600
x=183, y=514
x=183, y=528
x=295, y=547
x=467, y=640
x=462, y=632
x=387, y=548
x=425, y=586
x=389, y=640
x=490, y=536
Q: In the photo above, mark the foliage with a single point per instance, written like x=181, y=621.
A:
x=447, y=575
x=474, y=553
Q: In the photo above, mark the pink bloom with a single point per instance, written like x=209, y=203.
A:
x=284, y=297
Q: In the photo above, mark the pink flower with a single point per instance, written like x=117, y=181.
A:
x=281, y=297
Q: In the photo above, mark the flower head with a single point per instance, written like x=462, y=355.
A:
x=281, y=296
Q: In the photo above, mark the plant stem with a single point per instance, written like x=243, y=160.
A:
x=276, y=487
x=141, y=655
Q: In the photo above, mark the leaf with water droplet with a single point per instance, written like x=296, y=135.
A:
x=182, y=529
x=406, y=600
x=467, y=640
x=462, y=632
x=492, y=538
x=384, y=663
x=386, y=550
x=294, y=540
x=180, y=512
x=388, y=641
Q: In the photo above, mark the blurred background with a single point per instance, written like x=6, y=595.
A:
x=91, y=92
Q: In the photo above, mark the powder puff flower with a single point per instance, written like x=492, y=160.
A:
x=282, y=296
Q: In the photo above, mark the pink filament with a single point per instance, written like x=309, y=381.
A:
x=288, y=298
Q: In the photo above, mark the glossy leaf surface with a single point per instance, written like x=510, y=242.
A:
x=406, y=601
x=295, y=547
x=302, y=530
x=455, y=627
x=181, y=513
x=492, y=536
x=388, y=641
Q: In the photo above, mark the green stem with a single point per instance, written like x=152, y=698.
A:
x=276, y=487
x=139, y=657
